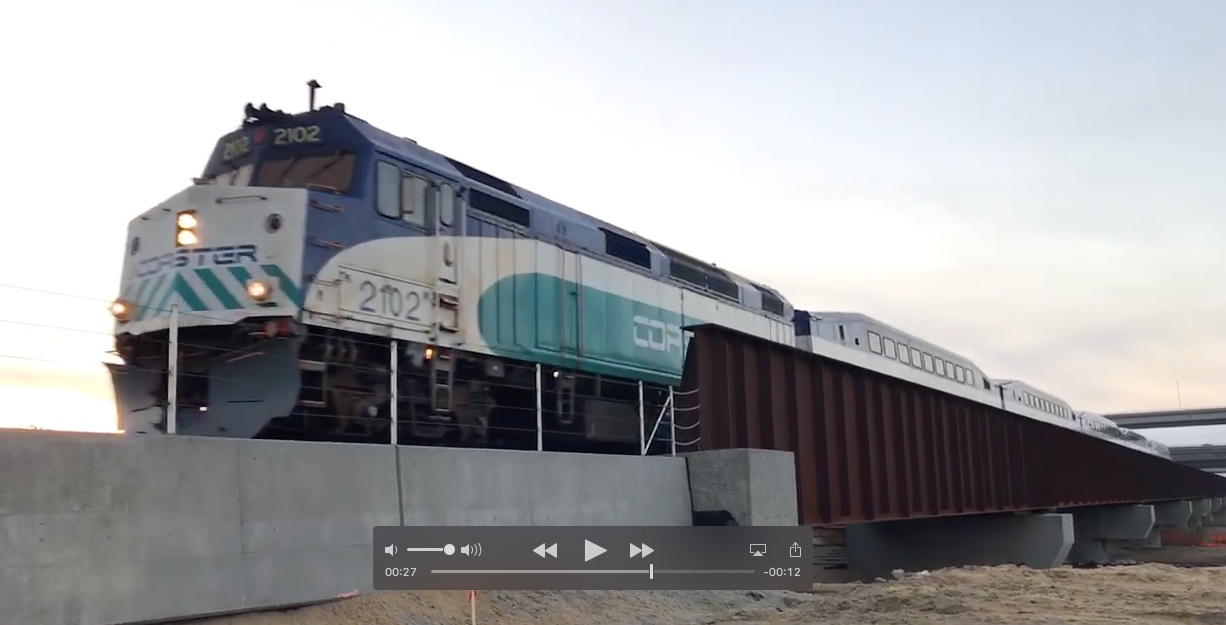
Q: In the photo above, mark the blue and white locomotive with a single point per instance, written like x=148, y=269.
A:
x=312, y=242
x=315, y=246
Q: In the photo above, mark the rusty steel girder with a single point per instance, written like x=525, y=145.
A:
x=871, y=447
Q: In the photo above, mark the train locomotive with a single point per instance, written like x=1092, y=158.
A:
x=317, y=253
x=315, y=244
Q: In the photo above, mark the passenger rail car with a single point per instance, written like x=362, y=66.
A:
x=859, y=338
x=312, y=241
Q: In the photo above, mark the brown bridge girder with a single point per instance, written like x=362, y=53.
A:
x=870, y=447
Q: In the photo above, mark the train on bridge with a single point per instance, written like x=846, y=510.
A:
x=314, y=245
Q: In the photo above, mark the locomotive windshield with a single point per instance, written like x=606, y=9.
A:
x=331, y=172
x=315, y=150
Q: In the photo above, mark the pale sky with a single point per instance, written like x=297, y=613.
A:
x=1036, y=185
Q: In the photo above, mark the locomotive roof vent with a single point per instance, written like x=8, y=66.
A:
x=262, y=115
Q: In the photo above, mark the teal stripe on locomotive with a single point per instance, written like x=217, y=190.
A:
x=543, y=318
x=216, y=291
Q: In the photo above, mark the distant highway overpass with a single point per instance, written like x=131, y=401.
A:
x=1205, y=457
x=1170, y=418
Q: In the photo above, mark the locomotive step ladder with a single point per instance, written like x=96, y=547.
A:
x=566, y=399
x=312, y=392
x=448, y=319
x=442, y=381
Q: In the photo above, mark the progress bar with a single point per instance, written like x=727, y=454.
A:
x=573, y=571
x=650, y=571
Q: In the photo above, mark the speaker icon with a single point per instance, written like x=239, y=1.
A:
x=390, y=550
x=471, y=550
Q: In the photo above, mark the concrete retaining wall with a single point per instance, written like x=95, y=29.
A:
x=101, y=529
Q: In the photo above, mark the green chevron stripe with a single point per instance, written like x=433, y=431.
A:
x=154, y=295
x=241, y=274
x=287, y=286
x=189, y=295
x=140, y=291
x=284, y=283
x=145, y=310
x=180, y=287
x=165, y=301
x=218, y=289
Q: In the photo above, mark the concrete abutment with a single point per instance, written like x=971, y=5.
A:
x=102, y=529
x=756, y=487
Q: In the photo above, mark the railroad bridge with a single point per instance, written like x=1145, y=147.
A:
x=871, y=448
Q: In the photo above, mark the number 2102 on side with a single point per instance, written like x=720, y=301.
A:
x=385, y=297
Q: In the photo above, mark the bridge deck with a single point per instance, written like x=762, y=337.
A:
x=1170, y=418
x=1203, y=457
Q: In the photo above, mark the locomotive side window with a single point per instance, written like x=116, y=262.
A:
x=387, y=189
x=627, y=249
x=771, y=303
x=940, y=367
x=414, y=200
x=959, y=374
x=240, y=177
x=890, y=350
x=874, y=342
x=904, y=356
x=446, y=205
x=916, y=358
x=928, y=362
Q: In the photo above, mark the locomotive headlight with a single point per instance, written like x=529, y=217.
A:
x=185, y=229
x=186, y=238
x=259, y=291
x=121, y=310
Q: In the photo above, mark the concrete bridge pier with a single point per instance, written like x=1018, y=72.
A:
x=1168, y=515
x=1038, y=541
x=1100, y=531
x=1201, y=511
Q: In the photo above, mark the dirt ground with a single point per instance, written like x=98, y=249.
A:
x=1190, y=592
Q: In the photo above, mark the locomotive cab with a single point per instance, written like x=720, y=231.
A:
x=223, y=261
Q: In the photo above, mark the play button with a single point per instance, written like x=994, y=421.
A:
x=591, y=550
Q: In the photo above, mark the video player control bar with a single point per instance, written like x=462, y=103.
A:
x=593, y=558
